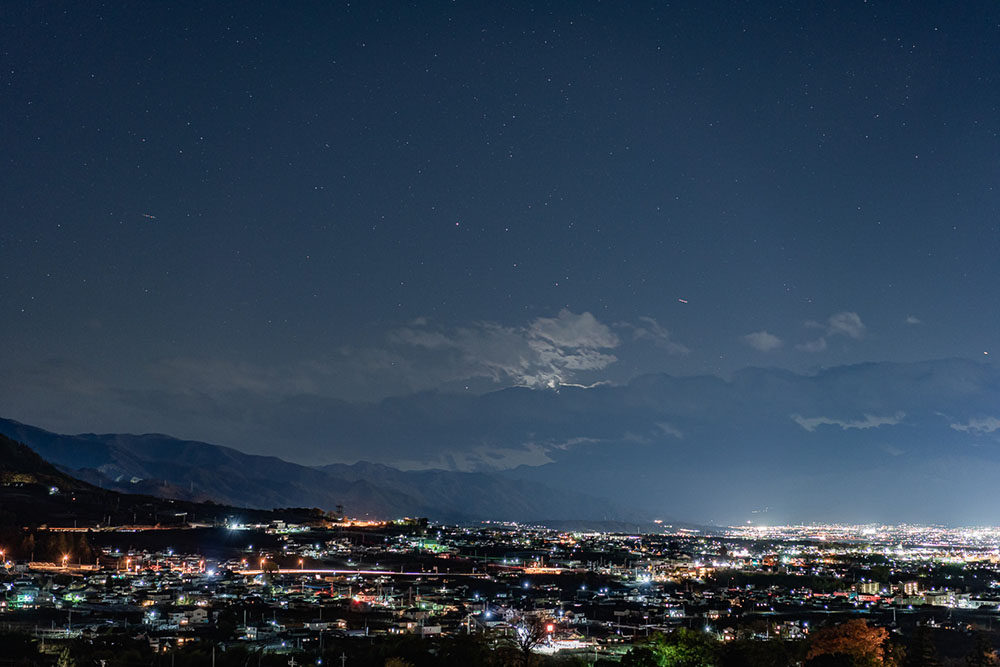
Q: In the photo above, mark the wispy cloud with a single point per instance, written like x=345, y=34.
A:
x=670, y=429
x=651, y=330
x=817, y=345
x=979, y=426
x=911, y=319
x=480, y=459
x=868, y=421
x=845, y=323
x=763, y=340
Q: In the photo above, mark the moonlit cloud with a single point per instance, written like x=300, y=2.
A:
x=574, y=331
x=651, y=330
x=763, y=341
x=546, y=352
x=846, y=324
x=869, y=421
x=978, y=426
x=817, y=345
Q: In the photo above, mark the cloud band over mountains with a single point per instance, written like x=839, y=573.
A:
x=547, y=352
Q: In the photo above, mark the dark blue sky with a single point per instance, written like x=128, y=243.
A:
x=203, y=202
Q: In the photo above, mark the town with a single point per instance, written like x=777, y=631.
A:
x=363, y=592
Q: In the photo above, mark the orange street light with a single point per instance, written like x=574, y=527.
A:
x=301, y=563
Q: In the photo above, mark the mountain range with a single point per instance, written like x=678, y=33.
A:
x=871, y=442
x=160, y=465
x=33, y=493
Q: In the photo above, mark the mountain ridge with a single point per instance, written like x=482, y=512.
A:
x=193, y=470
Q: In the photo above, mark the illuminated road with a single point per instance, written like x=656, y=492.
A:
x=387, y=573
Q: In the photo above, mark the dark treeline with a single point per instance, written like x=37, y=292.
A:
x=45, y=545
x=850, y=644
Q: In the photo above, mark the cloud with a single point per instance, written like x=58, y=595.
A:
x=763, y=341
x=569, y=330
x=817, y=345
x=481, y=459
x=846, y=324
x=547, y=352
x=870, y=421
x=422, y=355
x=979, y=426
x=650, y=329
x=670, y=429
x=491, y=457
x=910, y=319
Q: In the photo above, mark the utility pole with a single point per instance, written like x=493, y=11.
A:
x=343, y=659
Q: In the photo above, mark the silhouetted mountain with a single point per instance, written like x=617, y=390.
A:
x=190, y=470
x=20, y=466
x=33, y=492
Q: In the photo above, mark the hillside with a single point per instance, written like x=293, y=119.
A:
x=191, y=470
x=33, y=493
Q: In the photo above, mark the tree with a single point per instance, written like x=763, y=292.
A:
x=685, y=648
x=756, y=653
x=982, y=653
x=639, y=656
x=838, y=660
x=854, y=638
x=530, y=630
x=397, y=662
x=680, y=648
x=468, y=650
x=65, y=660
x=17, y=646
x=921, y=651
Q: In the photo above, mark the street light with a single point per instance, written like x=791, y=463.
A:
x=65, y=558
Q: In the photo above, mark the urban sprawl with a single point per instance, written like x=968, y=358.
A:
x=356, y=592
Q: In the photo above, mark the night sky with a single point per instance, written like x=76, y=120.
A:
x=207, y=207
